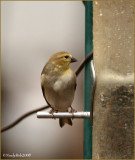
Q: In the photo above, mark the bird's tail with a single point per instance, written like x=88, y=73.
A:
x=63, y=121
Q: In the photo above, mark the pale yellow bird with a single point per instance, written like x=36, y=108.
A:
x=58, y=84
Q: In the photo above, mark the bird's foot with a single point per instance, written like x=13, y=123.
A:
x=72, y=111
x=51, y=112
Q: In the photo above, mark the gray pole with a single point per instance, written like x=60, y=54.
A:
x=113, y=121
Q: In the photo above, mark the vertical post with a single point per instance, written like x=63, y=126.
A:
x=113, y=122
x=88, y=48
x=0, y=74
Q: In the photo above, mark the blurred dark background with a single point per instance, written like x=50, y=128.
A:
x=30, y=33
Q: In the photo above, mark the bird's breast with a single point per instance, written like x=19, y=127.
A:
x=66, y=80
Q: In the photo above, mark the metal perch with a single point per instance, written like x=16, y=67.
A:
x=63, y=115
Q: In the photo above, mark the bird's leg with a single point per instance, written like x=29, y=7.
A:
x=51, y=112
x=72, y=111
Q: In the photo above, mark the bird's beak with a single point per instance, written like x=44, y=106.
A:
x=73, y=60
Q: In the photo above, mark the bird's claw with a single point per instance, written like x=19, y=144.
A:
x=51, y=112
x=72, y=111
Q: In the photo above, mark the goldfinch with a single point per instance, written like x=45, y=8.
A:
x=58, y=83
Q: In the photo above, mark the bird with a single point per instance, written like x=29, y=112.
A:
x=58, y=83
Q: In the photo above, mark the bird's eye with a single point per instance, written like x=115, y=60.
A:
x=66, y=57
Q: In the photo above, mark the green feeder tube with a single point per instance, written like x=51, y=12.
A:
x=88, y=47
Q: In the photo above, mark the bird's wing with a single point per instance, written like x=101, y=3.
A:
x=42, y=86
x=42, y=83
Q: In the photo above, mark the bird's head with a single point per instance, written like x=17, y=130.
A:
x=62, y=60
